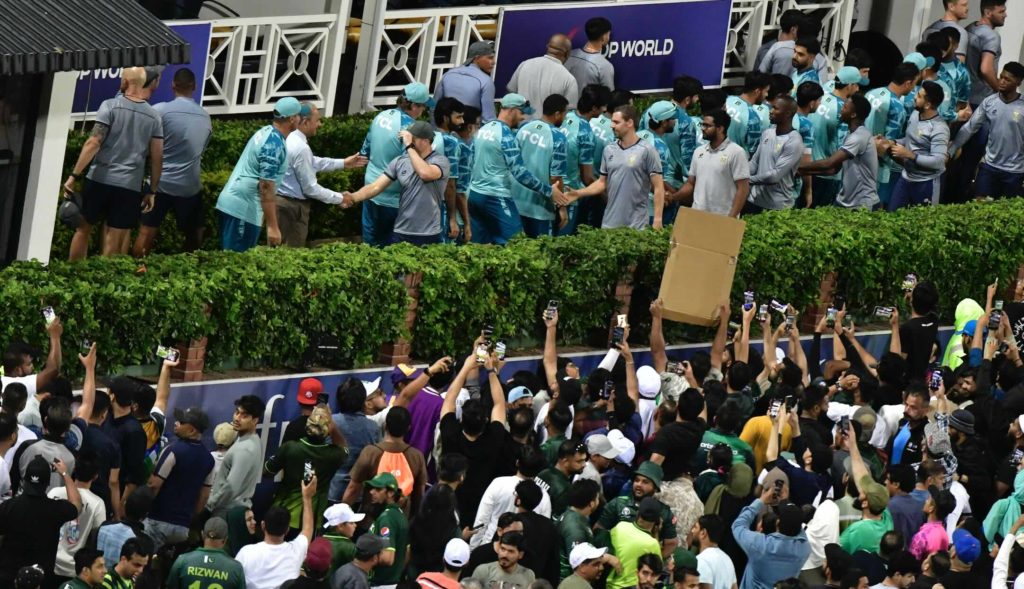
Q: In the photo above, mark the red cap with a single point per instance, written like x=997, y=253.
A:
x=309, y=388
x=318, y=556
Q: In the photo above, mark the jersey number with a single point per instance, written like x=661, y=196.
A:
x=199, y=585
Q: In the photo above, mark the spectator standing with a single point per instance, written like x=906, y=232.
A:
x=341, y=525
x=19, y=367
x=74, y=533
x=30, y=523
x=223, y=437
x=922, y=151
x=134, y=557
x=187, y=130
x=299, y=186
x=500, y=497
x=632, y=539
x=773, y=167
x=57, y=422
x=630, y=170
x=775, y=556
x=8, y=437
x=360, y=430
x=857, y=157
x=208, y=563
x=127, y=433
x=745, y=111
x=456, y=556
x=540, y=77
x=355, y=575
x=392, y=526
x=713, y=565
x=719, y=180
x=471, y=83
x=917, y=334
x=391, y=455
x=955, y=11
x=932, y=537
x=647, y=481
x=875, y=521
x=250, y=192
x=434, y=524
x=112, y=535
x=543, y=147
x=382, y=146
x=13, y=402
x=587, y=562
x=574, y=525
x=542, y=557
x=572, y=455
x=127, y=132
x=89, y=570
x=510, y=547
x=240, y=472
x=307, y=395
x=588, y=64
x=273, y=561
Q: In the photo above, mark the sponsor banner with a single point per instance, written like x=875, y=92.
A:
x=652, y=43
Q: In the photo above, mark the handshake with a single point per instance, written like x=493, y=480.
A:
x=347, y=200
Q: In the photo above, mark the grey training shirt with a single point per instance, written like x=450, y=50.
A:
x=186, y=132
x=935, y=27
x=929, y=140
x=715, y=173
x=419, y=205
x=773, y=169
x=121, y=160
x=590, y=68
x=1005, y=148
x=860, y=171
x=627, y=172
x=981, y=39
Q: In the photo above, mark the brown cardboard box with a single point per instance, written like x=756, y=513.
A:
x=701, y=265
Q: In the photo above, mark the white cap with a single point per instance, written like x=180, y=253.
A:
x=456, y=553
x=779, y=355
x=649, y=382
x=371, y=386
x=583, y=552
x=341, y=513
x=600, y=444
x=625, y=448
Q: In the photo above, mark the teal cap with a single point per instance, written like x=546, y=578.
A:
x=851, y=75
x=417, y=93
x=287, y=107
x=662, y=110
x=517, y=101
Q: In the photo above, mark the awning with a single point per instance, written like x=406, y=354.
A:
x=42, y=36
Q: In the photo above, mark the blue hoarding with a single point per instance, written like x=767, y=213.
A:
x=652, y=43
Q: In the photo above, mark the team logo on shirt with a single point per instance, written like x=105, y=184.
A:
x=385, y=532
x=1016, y=116
x=723, y=158
x=631, y=161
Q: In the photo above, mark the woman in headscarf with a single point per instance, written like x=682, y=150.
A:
x=1005, y=512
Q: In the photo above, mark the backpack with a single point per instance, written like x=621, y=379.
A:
x=398, y=465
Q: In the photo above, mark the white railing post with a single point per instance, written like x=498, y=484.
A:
x=371, y=32
x=330, y=62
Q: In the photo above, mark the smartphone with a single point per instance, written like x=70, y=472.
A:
x=844, y=424
x=618, y=334
x=774, y=409
x=909, y=282
x=1016, y=457
x=499, y=349
x=322, y=399
x=607, y=389
x=778, y=487
x=552, y=307
x=307, y=472
x=675, y=368
x=884, y=312
x=86, y=344
x=790, y=322
x=481, y=354
x=762, y=313
x=732, y=330
x=935, y=380
x=748, y=300
x=790, y=401
x=167, y=353
x=996, y=317
x=49, y=315
x=830, y=317
x=487, y=332
x=780, y=307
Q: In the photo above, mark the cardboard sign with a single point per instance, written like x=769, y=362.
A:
x=701, y=265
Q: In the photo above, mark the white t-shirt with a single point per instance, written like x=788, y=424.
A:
x=716, y=569
x=30, y=414
x=267, y=566
x=500, y=497
x=5, y=481
x=542, y=430
x=24, y=435
x=75, y=533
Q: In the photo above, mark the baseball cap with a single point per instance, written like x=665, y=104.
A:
x=649, y=509
x=919, y=60
x=600, y=444
x=851, y=75
x=648, y=381
x=216, y=528
x=224, y=434
x=319, y=422
x=404, y=372
x=384, y=480
x=877, y=495
x=683, y=558
x=70, y=211
x=369, y=544
x=37, y=477
x=962, y=421
x=421, y=130
x=583, y=552
x=309, y=388
x=519, y=393
x=456, y=553
x=673, y=386
x=371, y=386
x=287, y=107
x=193, y=416
x=936, y=439
x=653, y=471
x=318, y=556
x=625, y=448
x=478, y=49
x=341, y=513
x=662, y=110
x=867, y=418
x=968, y=549
x=519, y=101
x=417, y=93
x=969, y=327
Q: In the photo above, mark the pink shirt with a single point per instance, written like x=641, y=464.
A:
x=930, y=538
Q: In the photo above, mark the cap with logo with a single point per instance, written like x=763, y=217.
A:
x=518, y=101
x=341, y=513
x=518, y=393
x=37, y=477
x=653, y=471
x=404, y=372
x=309, y=388
x=851, y=75
x=319, y=422
x=216, y=528
x=287, y=107
x=417, y=93
x=479, y=49
x=456, y=552
x=193, y=416
x=662, y=110
x=583, y=552
x=384, y=480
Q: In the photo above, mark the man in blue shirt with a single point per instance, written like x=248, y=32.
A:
x=382, y=146
x=775, y=556
x=497, y=162
x=471, y=83
x=251, y=191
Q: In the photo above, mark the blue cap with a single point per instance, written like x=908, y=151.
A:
x=517, y=101
x=969, y=327
x=968, y=548
x=851, y=75
x=417, y=93
x=519, y=393
x=662, y=110
x=287, y=107
x=919, y=60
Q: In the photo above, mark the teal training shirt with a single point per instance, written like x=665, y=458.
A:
x=603, y=135
x=579, y=147
x=664, y=154
x=543, y=149
x=745, y=128
x=382, y=145
x=265, y=157
x=826, y=124
x=497, y=161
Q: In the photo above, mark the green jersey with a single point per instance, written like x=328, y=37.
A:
x=741, y=451
x=625, y=508
x=115, y=581
x=75, y=584
x=603, y=135
x=579, y=148
x=866, y=534
x=290, y=460
x=574, y=528
x=392, y=526
x=544, y=153
x=343, y=550
x=558, y=485
x=206, y=568
x=550, y=449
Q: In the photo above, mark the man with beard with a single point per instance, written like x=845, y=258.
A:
x=507, y=572
x=572, y=455
x=773, y=167
x=719, y=180
x=392, y=526
x=906, y=445
x=646, y=482
x=974, y=467
x=659, y=121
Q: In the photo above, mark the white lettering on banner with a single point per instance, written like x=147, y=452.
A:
x=641, y=47
x=265, y=425
x=111, y=73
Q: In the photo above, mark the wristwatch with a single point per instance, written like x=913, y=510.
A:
x=410, y=146
x=76, y=176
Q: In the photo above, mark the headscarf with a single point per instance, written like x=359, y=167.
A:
x=737, y=484
x=967, y=310
x=1005, y=511
x=238, y=532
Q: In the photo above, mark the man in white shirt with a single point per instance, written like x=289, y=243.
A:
x=13, y=401
x=273, y=561
x=8, y=437
x=715, y=568
x=73, y=534
x=299, y=187
x=500, y=496
x=18, y=367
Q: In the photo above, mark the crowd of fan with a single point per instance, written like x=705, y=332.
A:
x=730, y=469
x=945, y=128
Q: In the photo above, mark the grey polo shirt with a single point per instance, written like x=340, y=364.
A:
x=627, y=173
x=715, y=173
x=929, y=140
x=860, y=171
x=121, y=160
x=590, y=68
x=1005, y=120
x=419, y=205
x=778, y=59
x=540, y=77
x=935, y=27
x=773, y=169
x=187, y=130
x=981, y=39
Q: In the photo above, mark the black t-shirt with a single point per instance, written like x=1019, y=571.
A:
x=30, y=526
x=542, y=541
x=130, y=436
x=481, y=453
x=924, y=582
x=296, y=429
x=677, y=442
x=963, y=580
x=307, y=583
x=107, y=454
x=916, y=339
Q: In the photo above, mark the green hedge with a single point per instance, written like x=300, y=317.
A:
x=266, y=304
